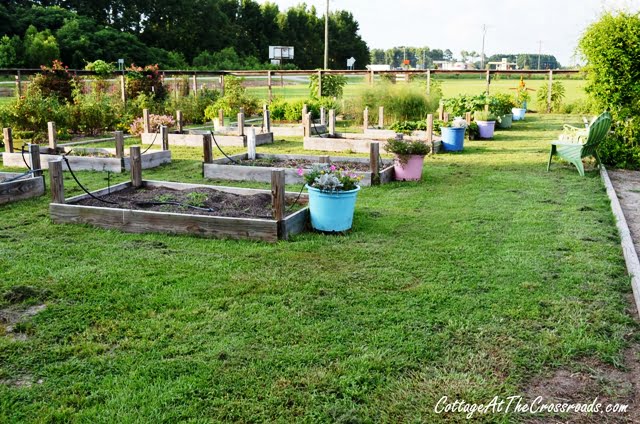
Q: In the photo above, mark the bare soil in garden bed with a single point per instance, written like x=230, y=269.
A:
x=196, y=201
x=303, y=163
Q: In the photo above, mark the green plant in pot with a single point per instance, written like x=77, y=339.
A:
x=332, y=197
x=502, y=105
x=486, y=123
x=409, y=158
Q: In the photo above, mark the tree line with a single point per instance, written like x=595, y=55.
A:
x=423, y=57
x=205, y=34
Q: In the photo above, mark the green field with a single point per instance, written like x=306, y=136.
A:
x=450, y=87
x=485, y=275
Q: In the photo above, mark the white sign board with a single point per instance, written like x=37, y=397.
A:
x=350, y=62
x=281, y=52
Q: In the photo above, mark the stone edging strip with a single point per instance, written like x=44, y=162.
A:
x=628, y=249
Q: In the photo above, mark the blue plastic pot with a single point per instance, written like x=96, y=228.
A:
x=518, y=113
x=332, y=211
x=452, y=139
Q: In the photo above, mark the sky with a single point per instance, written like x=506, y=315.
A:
x=513, y=26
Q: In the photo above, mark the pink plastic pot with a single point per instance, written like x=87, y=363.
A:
x=409, y=171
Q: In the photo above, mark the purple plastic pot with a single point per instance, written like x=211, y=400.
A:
x=409, y=171
x=486, y=128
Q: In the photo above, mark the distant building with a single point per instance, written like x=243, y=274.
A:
x=503, y=65
x=379, y=67
x=450, y=65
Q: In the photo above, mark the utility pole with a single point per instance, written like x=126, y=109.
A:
x=484, y=33
x=539, y=52
x=326, y=38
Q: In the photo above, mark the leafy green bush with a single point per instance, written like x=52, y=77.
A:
x=501, y=104
x=406, y=147
x=483, y=115
x=557, y=96
x=147, y=80
x=581, y=106
x=407, y=127
x=402, y=102
x=192, y=107
x=54, y=81
x=332, y=85
x=92, y=114
x=32, y=112
x=282, y=110
x=235, y=97
x=611, y=47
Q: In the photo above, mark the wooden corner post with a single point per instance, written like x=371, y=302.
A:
x=8, y=139
x=119, y=136
x=307, y=124
x=56, y=180
x=164, y=135
x=430, y=128
x=221, y=117
x=549, y=88
x=251, y=144
x=374, y=162
x=179, y=121
x=332, y=122
x=53, y=135
x=365, y=118
x=381, y=117
x=277, y=194
x=241, y=123
x=207, y=147
x=36, y=165
x=146, y=123
x=136, y=166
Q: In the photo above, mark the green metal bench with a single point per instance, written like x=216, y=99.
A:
x=574, y=151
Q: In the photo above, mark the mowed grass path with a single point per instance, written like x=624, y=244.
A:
x=487, y=273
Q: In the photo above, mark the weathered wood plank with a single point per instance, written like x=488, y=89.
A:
x=295, y=223
x=24, y=188
x=56, y=181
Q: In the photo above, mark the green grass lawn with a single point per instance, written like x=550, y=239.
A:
x=470, y=283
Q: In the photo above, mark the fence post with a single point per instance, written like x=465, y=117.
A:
x=53, y=135
x=365, y=118
x=332, y=122
x=307, y=125
x=267, y=120
x=467, y=117
x=146, y=123
x=323, y=116
x=488, y=80
x=164, y=136
x=123, y=89
x=179, y=120
x=207, y=147
x=277, y=194
x=441, y=111
x=319, y=84
x=36, y=166
x=549, y=91
x=374, y=162
x=241, y=123
x=222, y=85
x=381, y=117
x=251, y=144
x=445, y=116
x=8, y=139
x=428, y=82
x=136, y=166
x=304, y=112
x=195, y=84
x=119, y=136
x=18, y=84
x=430, y=128
x=269, y=86
x=56, y=180
x=221, y=117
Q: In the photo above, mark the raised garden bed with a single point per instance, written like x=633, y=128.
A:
x=195, y=138
x=15, y=186
x=351, y=143
x=90, y=159
x=260, y=169
x=141, y=206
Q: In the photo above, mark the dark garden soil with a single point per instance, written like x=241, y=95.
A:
x=305, y=164
x=196, y=201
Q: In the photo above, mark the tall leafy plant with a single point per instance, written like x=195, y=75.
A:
x=611, y=49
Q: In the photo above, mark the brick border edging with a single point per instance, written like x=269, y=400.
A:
x=628, y=248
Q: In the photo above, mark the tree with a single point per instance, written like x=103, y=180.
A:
x=10, y=49
x=40, y=48
x=447, y=55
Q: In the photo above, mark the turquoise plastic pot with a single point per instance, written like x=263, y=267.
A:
x=332, y=211
x=518, y=113
x=452, y=139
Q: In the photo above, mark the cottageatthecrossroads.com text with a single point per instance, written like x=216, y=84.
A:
x=518, y=405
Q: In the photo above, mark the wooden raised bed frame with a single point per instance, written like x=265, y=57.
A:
x=119, y=163
x=224, y=169
x=31, y=185
x=138, y=221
